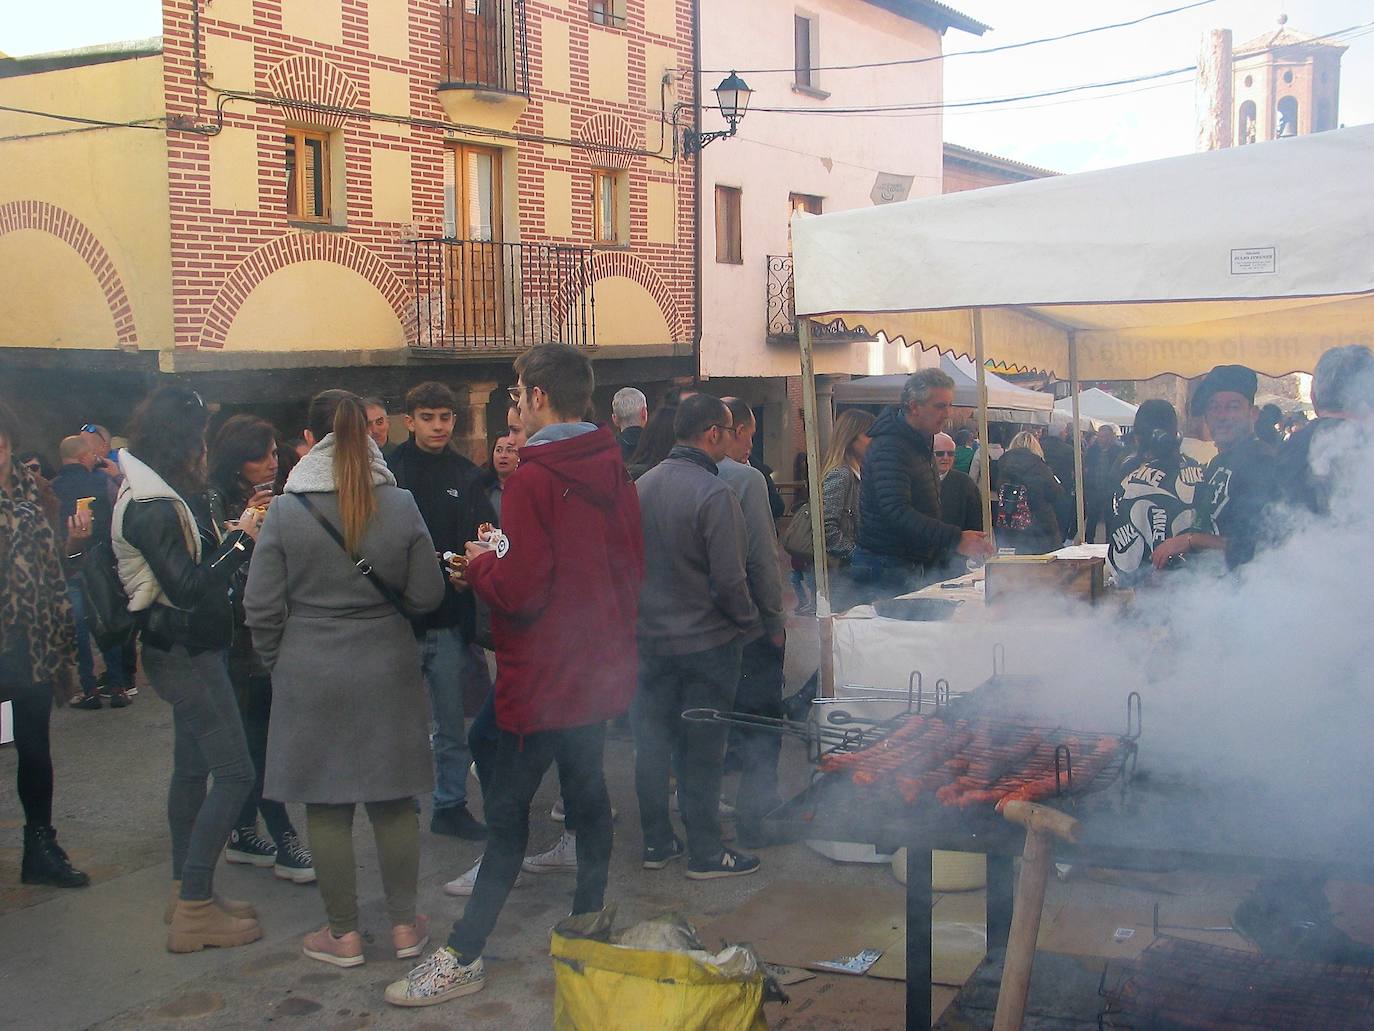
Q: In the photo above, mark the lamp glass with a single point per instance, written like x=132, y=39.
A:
x=733, y=95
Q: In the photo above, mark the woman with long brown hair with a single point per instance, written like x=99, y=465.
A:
x=840, y=491
x=176, y=562
x=344, y=561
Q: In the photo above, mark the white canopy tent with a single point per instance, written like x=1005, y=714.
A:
x=1098, y=407
x=1007, y=402
x=1257, y=254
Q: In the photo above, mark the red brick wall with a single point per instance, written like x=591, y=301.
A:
x=218, y=254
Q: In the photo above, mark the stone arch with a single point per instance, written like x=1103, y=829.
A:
x=309, y=79
x=605, y=132
x=49, y=218
x=605, y=264
x=293, y=248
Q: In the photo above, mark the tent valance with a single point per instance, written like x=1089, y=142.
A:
x=1257, y=255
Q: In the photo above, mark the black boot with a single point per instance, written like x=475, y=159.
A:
x=46, y=863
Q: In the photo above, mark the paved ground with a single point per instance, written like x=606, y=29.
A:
x=96, y=957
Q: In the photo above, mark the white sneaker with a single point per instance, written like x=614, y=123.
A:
x=462, y=885
x=562, y=858
x=439, y=978
x=724, y=810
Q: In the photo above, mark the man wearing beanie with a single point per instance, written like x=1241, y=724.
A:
x=1240, y=482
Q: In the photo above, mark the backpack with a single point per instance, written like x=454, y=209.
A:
x=1013, y=508
x=107, y=605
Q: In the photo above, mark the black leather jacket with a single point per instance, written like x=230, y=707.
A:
x=203, y=619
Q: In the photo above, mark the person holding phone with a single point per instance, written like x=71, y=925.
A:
x=243, y=473
x=176, y=562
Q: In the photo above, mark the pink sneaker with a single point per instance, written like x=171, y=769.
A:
x=410, y=939
x=341, y=952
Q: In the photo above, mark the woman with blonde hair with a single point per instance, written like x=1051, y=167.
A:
x=1029, y=499
x=343, y=563
x=840, y=493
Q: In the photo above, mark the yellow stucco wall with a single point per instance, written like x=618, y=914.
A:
x=662, y=204
x=391, y=186
x=608, y=58
x=229, y=62
x=313, y=19
x=234, y=169
x=114, y=182
x=626, y=313
x=238, y=11
x=657, y=60
x=557, y=126
x=660, y=16
x=388, y=29
x=558, y=187
x=391, y=96
x=32, y=313
x=354, y=315
x=554, y=55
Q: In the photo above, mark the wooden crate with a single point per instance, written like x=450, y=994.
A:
x=1031, y=579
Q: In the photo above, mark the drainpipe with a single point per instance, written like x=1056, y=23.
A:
x=696, y=194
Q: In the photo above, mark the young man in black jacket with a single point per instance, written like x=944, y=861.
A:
x=449, y=493
x=901, y=532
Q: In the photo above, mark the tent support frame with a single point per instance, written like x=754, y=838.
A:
x=811, y=424
x=1079, y=500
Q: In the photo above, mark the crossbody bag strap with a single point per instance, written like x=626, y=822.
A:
x=362, y=565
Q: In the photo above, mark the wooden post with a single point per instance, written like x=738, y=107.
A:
x=1077, y=439
x=985, y=470
x=1214, y=91
x=811, y=424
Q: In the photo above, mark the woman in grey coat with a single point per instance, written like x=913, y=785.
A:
x=349, y=711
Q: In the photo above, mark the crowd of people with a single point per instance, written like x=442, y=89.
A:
x=316, y=614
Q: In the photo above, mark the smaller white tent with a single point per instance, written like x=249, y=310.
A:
x=1098, y=407
x=1007, y=402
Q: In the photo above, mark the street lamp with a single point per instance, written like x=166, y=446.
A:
x=732, y=97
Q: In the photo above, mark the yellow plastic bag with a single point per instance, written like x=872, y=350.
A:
x=601, y=986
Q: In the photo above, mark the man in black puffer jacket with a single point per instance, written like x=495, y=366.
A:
x=900, y=529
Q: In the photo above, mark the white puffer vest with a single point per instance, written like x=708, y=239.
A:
x=141, y=484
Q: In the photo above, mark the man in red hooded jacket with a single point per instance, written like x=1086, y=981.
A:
x=562, y=581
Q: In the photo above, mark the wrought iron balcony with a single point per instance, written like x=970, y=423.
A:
x=486, y=47
x=782, y=312
x=479, y=297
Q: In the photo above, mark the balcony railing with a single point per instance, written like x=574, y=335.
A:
x=782, y=313
x=474, y=296
x=485, y=46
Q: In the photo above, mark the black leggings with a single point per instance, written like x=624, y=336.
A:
x=32, y=714
x=253, y=693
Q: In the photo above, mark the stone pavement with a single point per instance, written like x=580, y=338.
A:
x=96, y=957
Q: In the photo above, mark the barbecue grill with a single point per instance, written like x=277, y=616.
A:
x=873, y=784
x=1181, y=985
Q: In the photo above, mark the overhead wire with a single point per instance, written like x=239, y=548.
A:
x=904, y=61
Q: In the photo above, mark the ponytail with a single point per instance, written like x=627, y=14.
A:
x=342, y=414
x=353, y=470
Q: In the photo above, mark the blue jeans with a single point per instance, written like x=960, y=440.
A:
x=208, y=746
x=85, y=663
x=449, y=664
x=883, y=576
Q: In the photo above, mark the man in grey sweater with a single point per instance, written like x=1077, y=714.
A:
x=693, y=611
x=761, y=664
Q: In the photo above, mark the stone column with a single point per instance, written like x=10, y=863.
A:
x=471, y=438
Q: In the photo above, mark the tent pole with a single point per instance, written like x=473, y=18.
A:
x=811, y=423
x=1077, y=439
x=985, y=467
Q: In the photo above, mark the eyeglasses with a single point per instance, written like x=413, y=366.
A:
x=944, y=454
x=33, y=467
x=515, y=393
x=718, y=426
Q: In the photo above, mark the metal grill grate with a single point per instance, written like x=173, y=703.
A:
x=1180, y=985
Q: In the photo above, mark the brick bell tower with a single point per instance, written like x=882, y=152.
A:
x=1285, y=83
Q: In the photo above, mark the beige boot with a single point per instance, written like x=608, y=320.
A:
x=196, y=925
x=243, y=910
